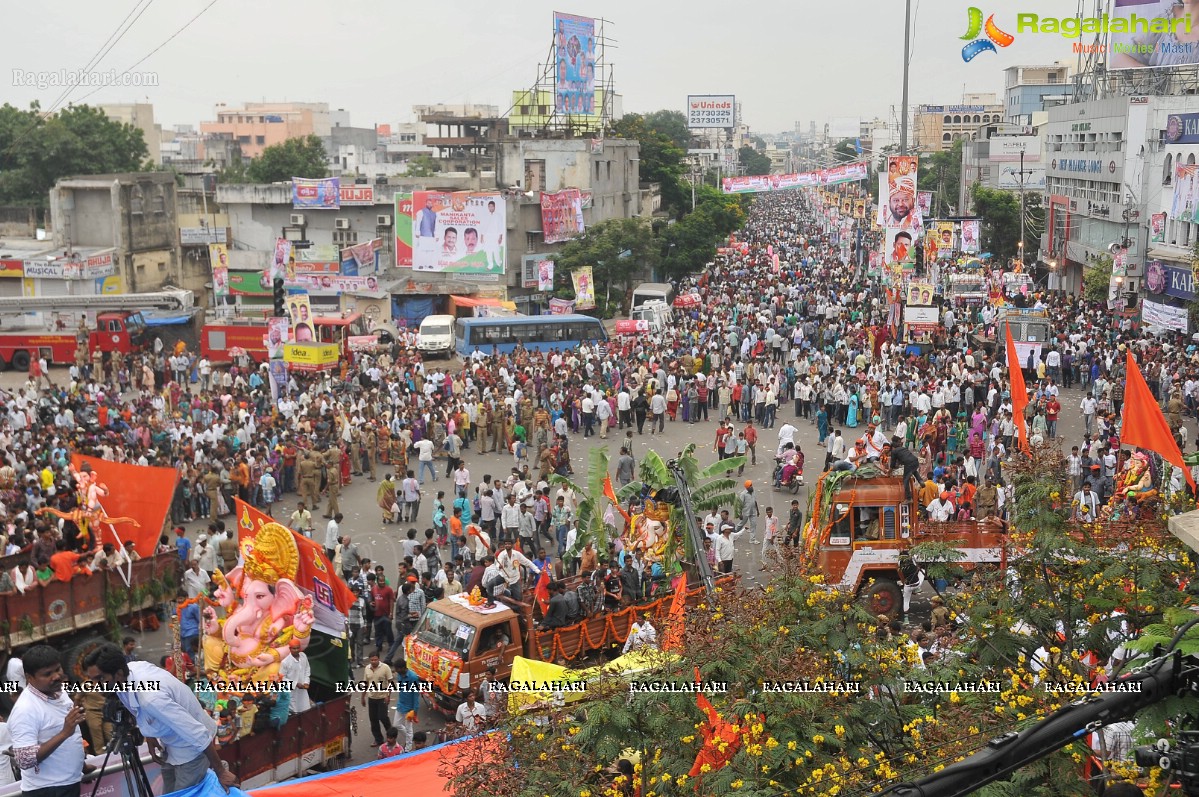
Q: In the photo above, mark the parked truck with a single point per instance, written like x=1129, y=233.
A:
x=455, y=645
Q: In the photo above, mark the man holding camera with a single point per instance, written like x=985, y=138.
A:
x=179, y=733
x=44, y=724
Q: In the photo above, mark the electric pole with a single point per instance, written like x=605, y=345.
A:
x=907, y=42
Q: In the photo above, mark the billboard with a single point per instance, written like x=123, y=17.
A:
x=403, y=230
x=843, y=127
x=1005, y=149
x=299, y=311
x=919, y=294
x=898, y=246
x=323, y=194
x=752, y=184
x=584, y=285
x=561, y=215
x=356, y=194
x=1163, y=315
x=1143, y=35
x=924, y=201
x=574, y=75
x=459, y=233
x=897, y=193
x=218, y=258
x=970, y=235
x=1182, y=128
x=1183, y=202
x=1009, y=177
x=711, y=110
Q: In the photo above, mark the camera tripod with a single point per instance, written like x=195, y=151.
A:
x=126, y=739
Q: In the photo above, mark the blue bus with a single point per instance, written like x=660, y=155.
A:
x=534, y=332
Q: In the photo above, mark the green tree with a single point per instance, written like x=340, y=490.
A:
x=752, y=161
x=617, y=250
x=1096, y=278
x=941, y=173
x=846, y=151
x=691, y=243
x=79, y=140
x=422, y=166
x=661, y=160
x=295, y=157
x=1000, y=213
x=671, y=124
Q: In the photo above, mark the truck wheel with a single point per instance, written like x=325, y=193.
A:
x=73, y=662
x=20, y=360
x=883, y=597
x=3, y=364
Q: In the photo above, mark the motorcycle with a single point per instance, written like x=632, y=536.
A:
x=793, y=483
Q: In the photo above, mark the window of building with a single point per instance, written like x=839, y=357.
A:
x=1191, y=159
x=136, y=201
x=1168, y=170
x=243, y=139
x=948, y=118
x=543, y=110
x=957, y=120
x=597, y=170
x=349, y=237
x=534, y=175
x=609, y=169
x=977, y=118
x=159, y=202
x=259, y=140
x=945, y=137
x=524, y=110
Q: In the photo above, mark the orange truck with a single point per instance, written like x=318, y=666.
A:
x=856, y=535
x=455, y=645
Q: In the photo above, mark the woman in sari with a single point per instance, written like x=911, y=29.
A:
x=385, y=497
x=851, y=413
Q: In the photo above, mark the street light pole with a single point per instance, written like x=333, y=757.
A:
x=907, y=42
x=1021, y=247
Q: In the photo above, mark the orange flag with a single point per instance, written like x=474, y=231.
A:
x=673, y=639
x=1019, y=391
x=542, y=591
x=1144, y=426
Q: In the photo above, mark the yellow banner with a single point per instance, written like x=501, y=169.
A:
x=310, y=354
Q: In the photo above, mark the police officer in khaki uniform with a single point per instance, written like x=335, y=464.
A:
x=356, y=451
x=333, y=471
x=310, y=479
x=212, y=488
x=370, y=442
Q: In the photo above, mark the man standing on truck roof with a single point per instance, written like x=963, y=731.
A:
x=509, y=562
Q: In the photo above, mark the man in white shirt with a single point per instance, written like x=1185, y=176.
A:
x=177, y=729
x=786, y=435
x=940, y=509
x=642, y=634
x=46, y=742
x=724, y=548
x=332, y=535
x=509, y=562
x=424, y=450
x=295, y=668
x=471, y=712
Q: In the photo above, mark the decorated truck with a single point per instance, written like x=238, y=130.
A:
x=861, y=524
x=458, y=641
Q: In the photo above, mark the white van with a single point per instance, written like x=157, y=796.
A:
x=656, y=313
x=436, y=335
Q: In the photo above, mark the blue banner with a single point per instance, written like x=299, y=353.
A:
x=209, y=787
x=1171, y=280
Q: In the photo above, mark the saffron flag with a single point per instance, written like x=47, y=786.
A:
x=1144, y=426
x=542, y=591
x=673, y=639
x=1019, y=391
x=148, y=503
x=330, y=595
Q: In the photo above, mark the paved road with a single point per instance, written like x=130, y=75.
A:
x=363, y=523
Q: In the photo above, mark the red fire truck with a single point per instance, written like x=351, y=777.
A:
x=219, y=339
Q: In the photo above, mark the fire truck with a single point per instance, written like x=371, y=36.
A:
x=120, y=325
x=856, y=534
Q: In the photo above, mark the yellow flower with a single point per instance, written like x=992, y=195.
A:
x=584, y=793
x=791, y=745
x=817, y=739
x=705, y=767
x=954, y=697
x=738, y=783
x=840, y=731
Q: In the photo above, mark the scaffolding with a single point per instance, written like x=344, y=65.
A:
x=548, y=121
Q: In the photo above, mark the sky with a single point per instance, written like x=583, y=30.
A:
x=785, y=60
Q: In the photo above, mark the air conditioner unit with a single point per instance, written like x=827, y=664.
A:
x=297, y=219
x=341, y=224
x=382, y=221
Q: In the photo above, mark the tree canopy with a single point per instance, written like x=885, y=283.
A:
x=1000, y=213
x=295, y=157
x=752, y=161
x=940, y=172
x=661, y=155
x=79, y=140
x=616, y=249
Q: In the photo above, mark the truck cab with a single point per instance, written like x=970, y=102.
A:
x=657, y=314
x=119, y=331
x=856, y=535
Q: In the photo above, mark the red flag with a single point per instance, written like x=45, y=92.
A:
x=1019, y=391
x=315, y=572
x=610, y=494
x=542, y=591
x=673, y=639
x=1144, y=426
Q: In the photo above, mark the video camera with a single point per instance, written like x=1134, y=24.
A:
x=124, y=726
x=1182, y=761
